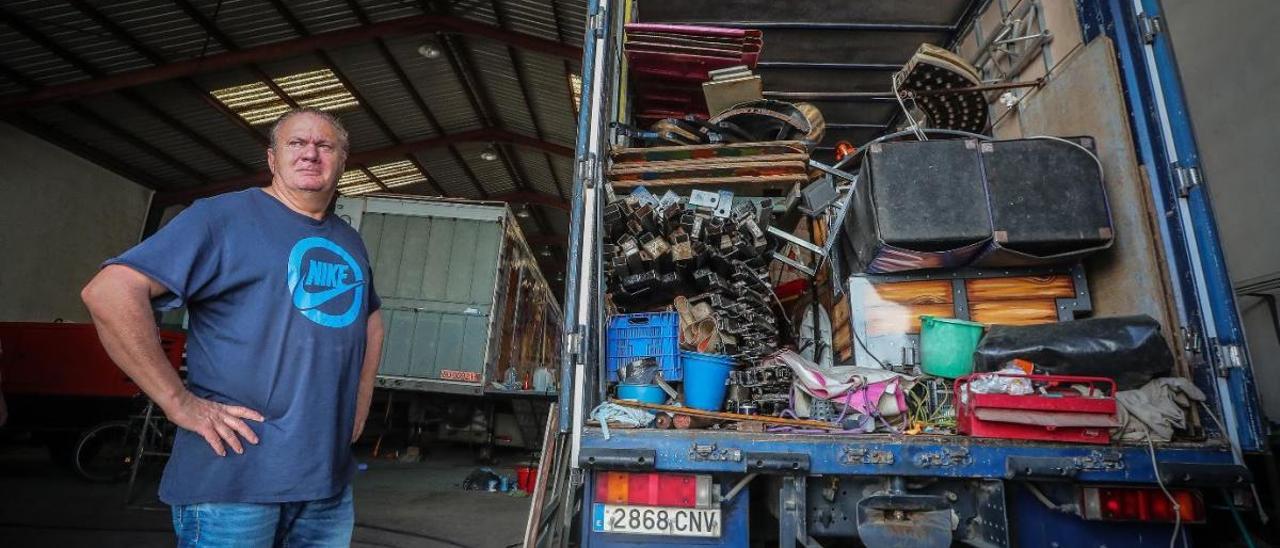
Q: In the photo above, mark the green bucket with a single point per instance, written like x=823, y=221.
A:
x=947, y=346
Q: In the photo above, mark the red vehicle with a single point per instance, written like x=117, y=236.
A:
x=61, y=385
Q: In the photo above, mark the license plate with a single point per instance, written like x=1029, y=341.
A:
x=657, y=520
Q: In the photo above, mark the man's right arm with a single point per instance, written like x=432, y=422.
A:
x=119, y=300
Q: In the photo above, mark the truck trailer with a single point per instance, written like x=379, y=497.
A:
x=1097, y=68
x=470, y=320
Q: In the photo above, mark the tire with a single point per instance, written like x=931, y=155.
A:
x=104, y=453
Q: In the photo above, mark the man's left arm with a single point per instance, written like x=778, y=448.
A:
x=368, y=371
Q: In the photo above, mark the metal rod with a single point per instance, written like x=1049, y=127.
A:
x=794, y=25
x=985, y=87
x=738, y=487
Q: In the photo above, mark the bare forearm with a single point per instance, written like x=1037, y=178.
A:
x=121, y=312
x=372, y=357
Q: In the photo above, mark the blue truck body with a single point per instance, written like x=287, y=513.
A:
x=795, y=465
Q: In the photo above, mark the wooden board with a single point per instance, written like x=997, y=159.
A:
x=887, y=320
x=1020, y=288
x=841, y=329
x=675, y=165
x=712, y=171
x=700, y=152
x=740, y=186
x=921, y=292
x=1028, y=312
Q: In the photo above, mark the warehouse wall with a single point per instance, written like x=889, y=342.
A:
x=1228, y=74
x=60, y=216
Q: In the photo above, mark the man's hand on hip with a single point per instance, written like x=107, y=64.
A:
x=217, y=423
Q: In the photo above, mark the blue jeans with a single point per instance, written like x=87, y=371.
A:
x=316, y=523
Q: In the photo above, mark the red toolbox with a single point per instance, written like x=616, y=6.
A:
x=1056, y=411
x=67, y=359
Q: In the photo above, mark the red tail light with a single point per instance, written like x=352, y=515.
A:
x=1140, y=504
x=654, y=489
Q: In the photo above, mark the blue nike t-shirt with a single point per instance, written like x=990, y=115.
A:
x=277, y=304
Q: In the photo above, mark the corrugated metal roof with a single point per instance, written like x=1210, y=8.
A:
x=545, y=76
x=84, y=38
x=124, y=113
x=492, y=174
x=533, y=17
x=190, y=109
x=384, y=10
x=162, y=27
x=35, y=62
x=573, y=20
x=497, y=77
x=446, y=172
x=384, y=93
x=246, y=22
x=435, y=81
x=96, y=137
x=323, y=15
x=534, y=164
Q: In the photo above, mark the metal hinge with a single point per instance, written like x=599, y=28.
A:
x=1190, y=340
x=573, y=343
x=1150, y=27
x=1187, y=178
x=587, y=170
x=596, y=24
x=1230, y=356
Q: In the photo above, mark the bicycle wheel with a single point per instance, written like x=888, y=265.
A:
x=104, y=453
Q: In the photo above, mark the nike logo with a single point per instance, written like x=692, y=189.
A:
x=303, y=300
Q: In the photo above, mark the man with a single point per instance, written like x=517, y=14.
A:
x=285, y=338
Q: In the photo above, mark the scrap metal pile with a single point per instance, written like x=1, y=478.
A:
x=707, y=257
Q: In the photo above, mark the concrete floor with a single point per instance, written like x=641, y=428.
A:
x=422, y=504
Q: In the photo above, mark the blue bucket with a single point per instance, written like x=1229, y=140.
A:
x=705, y=379
x=643, y=393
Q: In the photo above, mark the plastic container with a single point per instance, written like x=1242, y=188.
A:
x=643, y=393
x=705, y=380
x=947, y=346
x=526, y=477
x=655, y=335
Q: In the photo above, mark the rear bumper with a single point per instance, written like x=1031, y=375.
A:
x=915, y=456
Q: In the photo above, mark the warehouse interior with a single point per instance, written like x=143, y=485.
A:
x=116, y=115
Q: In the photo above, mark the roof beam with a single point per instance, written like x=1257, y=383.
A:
x=284, y=49
x=30, y=33
x=518, y=67
x=263, y=178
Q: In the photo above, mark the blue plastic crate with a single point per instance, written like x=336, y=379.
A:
x=633, y=336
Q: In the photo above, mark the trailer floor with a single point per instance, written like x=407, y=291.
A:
x=422, y=504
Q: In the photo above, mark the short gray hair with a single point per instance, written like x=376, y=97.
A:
x=345, y=144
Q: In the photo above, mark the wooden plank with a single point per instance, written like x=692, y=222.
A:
x=689, y=152
x=1030, y=312
x=741, y=186
x=671, y=165
x=539, y=493
x=728, y=416
x=921, y=292
x=1020, y=288
x=896, y=319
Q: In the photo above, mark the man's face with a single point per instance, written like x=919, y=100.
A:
x=308, y=155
